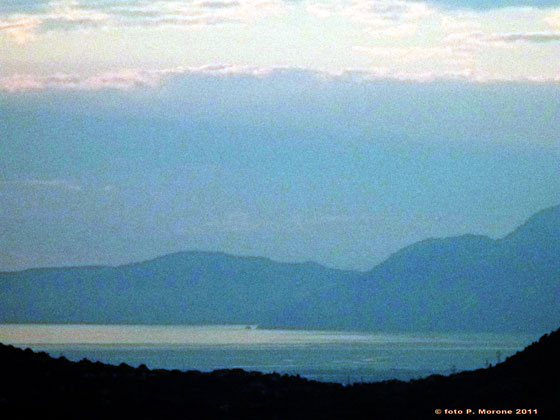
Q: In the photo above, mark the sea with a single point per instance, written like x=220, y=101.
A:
x=328, y=356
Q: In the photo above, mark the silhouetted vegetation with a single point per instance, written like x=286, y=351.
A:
x=34, y=384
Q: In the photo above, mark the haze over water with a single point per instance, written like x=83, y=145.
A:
x=335, y=356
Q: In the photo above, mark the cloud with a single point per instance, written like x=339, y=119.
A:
x=465, y=75
x=128, y=79
x=480, y=40
x=20, y=29
x=392, y=33
x=320, y=11
x=459, y=23
x=459, y=53
x=379, y=16
x=392, y=18
x=450, y=54
x=200, y=13
x=122, y=80
x=537, y=37
x=73, y=15
x=125, y=79
x=24, y=27
x=397, y=31
x=484, y=5
x=553, y=19
x=405, y=40
x=386, y=12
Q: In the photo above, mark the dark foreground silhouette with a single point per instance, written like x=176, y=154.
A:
x=35, y=385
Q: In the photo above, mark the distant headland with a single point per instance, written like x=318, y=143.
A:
x=459, y=284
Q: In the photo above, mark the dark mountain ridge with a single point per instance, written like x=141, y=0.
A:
x=462, y=283
x=35, y=383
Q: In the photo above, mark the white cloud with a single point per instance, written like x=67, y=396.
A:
x=459, y=54
x=414, y=32
x=202, y=13
x=73, y=15
x=380, y=18
x=402, y=37
x=537, y=37
x=398, y=31
x=130, y=79
x=320, y=11
x=483, y=40
x=385, y=12
x=125, y=79
x=459, y=23
x=447, y=60
x=447, y=53
x=553, y=19
x=122, y=80
x=392, y=18
x=388, y=17
x=20, y=29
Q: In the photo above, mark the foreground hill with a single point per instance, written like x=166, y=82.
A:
x=463, y=283
x=34, y=384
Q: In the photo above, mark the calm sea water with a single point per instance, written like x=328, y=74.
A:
x=321, y=355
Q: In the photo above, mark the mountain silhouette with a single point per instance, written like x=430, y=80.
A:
x=35, y=383
x=462, y=283
x=182, y=288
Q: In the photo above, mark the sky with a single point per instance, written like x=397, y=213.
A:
x=331, y=131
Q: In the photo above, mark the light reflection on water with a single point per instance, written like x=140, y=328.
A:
x=322, y=355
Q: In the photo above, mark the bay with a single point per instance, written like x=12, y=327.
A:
x=332, y=356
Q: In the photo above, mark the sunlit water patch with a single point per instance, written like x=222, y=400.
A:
x=322, y=355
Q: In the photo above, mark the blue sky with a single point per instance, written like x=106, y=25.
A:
x=337, y=132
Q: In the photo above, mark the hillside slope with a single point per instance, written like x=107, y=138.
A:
x=35, y=383
x=463, y=283
x=182, y=288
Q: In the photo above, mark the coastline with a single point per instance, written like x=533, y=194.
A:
x=34, y=383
